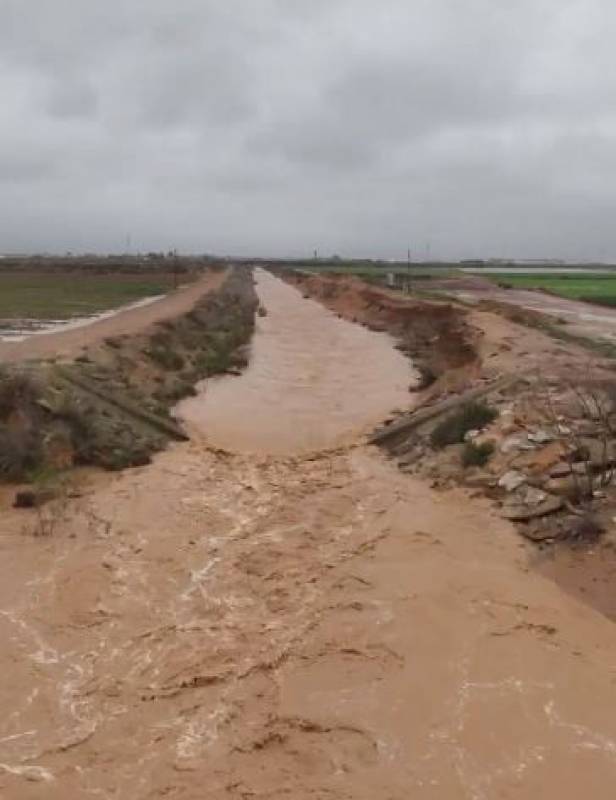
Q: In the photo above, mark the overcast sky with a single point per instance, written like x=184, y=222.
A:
x=482, y=127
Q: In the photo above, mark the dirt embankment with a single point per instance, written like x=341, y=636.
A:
x=111, y=405
x=437, y=336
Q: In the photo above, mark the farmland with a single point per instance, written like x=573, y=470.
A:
x=372, y=269
x=50, y=296
x=600, y=289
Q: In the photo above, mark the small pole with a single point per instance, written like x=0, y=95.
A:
x=408, y=269
x=176, y=268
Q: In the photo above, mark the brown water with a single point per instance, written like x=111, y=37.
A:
x=314, y=380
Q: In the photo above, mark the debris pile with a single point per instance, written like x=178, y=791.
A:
x=550, y=452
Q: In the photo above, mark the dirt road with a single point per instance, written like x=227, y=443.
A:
x=71, y=342
x=581, y=319
x=302, y=626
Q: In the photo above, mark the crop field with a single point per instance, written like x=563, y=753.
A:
x=57, y=297
x=599, y=289
x=375, y=270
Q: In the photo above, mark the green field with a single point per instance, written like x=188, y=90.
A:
x=416, y=271
x=591, y=288
x=31, y=296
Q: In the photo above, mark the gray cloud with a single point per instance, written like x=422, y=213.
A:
x=280, y=126
x=72, y=99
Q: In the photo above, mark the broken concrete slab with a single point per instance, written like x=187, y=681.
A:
x=522, y=513
x=516, y=443
x=533, y=496
x=512, y=480
x=570, y=486
x=562, y=470
x=540, y=436
x=481, y=480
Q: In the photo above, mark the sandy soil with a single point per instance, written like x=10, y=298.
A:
x=71, y=342
x=265, y=626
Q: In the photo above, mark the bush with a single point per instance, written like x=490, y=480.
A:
x=587, y=527
x=453, y=428
x=20, y=452
x=17, y=392
x=167, y=359
x=81, y=421
x=476, y=455
x=216, y=361
x=426, y=377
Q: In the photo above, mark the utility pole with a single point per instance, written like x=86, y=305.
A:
x=176, y=268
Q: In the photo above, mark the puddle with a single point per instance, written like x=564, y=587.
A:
x=314, y=381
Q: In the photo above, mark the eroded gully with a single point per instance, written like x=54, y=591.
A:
x=293, y=617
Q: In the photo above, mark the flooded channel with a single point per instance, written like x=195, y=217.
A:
x=314, y=380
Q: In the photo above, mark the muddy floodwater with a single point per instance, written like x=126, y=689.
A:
x=314, y=380
x=232, y=625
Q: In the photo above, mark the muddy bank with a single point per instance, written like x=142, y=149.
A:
x=437, y=336
x=314, y=380
x=111, y=406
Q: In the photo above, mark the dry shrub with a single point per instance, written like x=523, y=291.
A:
x=18, y=391
x=20, y=452
x=476, y=455
x=452, y=430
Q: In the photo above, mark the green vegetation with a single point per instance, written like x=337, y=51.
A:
x=476, y=455
x=452, y=430
x=166, y=358
x=599, y=289
x=31, y=296
x=364, y=269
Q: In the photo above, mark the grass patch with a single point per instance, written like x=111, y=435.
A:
x=452, y=430
x=476, y=455
x=50, y=297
